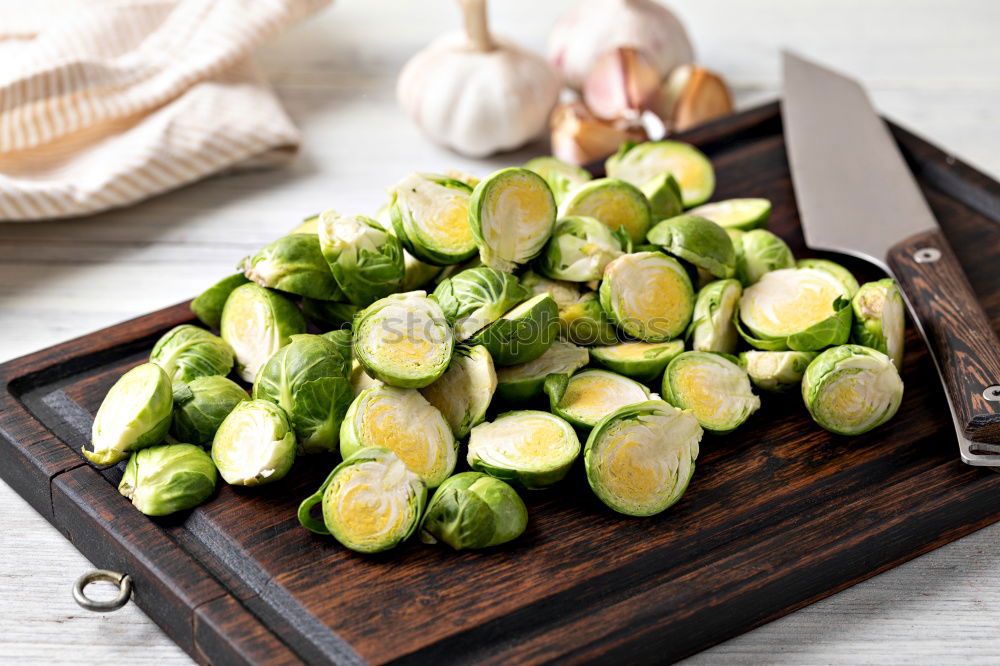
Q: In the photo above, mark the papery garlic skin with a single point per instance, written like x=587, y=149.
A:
x=478, y=102
x=594, y=26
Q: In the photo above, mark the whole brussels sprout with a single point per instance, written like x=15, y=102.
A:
x=664, y=195
x=257, y=322
x=642, y=361
x=530, y=448
x=308, y=379
x=512, y=213
x=638, y=163
x=474, y=510
x=586, y=323
x=201, y=406
x=403, y=340
x=477, y=297
x=134, y=414
x=697, y=240
x=649, y=295
x=742, y=214
x=463, y=393
x=616, y=203
x=715, y=389
x=776, y=371
x=525, y=380
x=329, y=314
x=758, y=252
x=254, y=445
x=844, y=276
x=294, y=264
x=851, y=389
x=798, y=309
x=523, y=333
x=365, y=259
x=161, y=480
x=370, y=502
x=712, y=328
x=343, y=341
x=589, y=396
x=186, y=352
x=640, y=458
x=401, y=420
x=880, y=319
x=563, y=293
x=430, y=215
x=208, y=305
x=580, y=248
x=562, y=177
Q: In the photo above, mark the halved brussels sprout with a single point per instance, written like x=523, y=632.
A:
x=254, y=445
x=208, y=305
x=640, y=458
x=563, y=293
x=580, y=248
x=664, y=195
x=640, y=163
x=474, y=510
x=586, y=323
x=463, y=393
x=801, y=309
x=530, y=448
x=477, y=297
x=417, y=274
x=524, y=381
x=880, y=319
x=294, y=264
x=616, y=203
x=845, y=276
x=776, y=371
x=329, y=314
x=308, y=379
x=562, y=177
x=643, y=361
x=523, y=333
x=201, y=406
x=758, y=252
x=403, y=340
x=309, y=225
x=430, y=214
x=512, y=213
x=360, y=380
x=402, y=421
x=161, y=480
x=851, y=389
x=365, y=259
x=186, y=352
x=649, y=295
x=257, y=322
x=716, y=390
x=697, y=240
x=462, y=176
x=589, y=396
x=370, y=502
x=743, y=214
x=135, y=414
x=712, y=328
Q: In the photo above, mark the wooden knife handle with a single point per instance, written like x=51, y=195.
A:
x=960, y=336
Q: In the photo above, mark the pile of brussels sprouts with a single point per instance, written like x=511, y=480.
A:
x=512, y=322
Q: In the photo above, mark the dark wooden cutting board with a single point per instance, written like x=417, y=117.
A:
x=778, y=515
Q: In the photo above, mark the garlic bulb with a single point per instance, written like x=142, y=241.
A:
x=477, y=94
x=594, y=26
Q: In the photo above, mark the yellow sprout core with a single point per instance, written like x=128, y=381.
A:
x=859, y=394
x=535, y=441
x=369, y=502
x=788, y=301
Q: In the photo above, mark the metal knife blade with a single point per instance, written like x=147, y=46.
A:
x=856, y=196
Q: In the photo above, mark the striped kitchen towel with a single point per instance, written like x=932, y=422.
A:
x=107, y=102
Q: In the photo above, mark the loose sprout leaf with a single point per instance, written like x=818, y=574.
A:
x=640, y=163
x=430, y=215
x=615, y=203
x=713, y=387
x=524, y=381
x=851, y=389
x=512, y=213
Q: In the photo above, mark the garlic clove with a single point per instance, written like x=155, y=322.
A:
x=579, y=137
x=693, y=95
x=622, y=84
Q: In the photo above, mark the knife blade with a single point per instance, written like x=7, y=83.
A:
x=856, y=196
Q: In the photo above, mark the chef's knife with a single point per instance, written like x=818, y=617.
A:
x=856, y=196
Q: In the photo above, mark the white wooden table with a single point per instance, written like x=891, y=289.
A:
x=933, y=66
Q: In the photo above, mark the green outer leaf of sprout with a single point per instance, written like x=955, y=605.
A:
x=670, y=426
x=517, y=383
x=640, y=163
x=880, y=319
x=586, y=323
x=844, y=276
x=264, y=457
x=186, y=352
x=776, y=371
x=712, y=328
x=281, y=319
x=664, y=195
x=739, y=399
x=201, y=406
x=580, y=248
x=209, y=304
x=161, y=480
x=627, y=392
x=616, y=203
x=625, y=273
x=135, y=414
x=366, y=260
x=562, y=177
x=408, y=202
x=477, y=297
x=296, y=265
x=758, y=252
x=562, y=292
x=463, y=393
x=697, y=240
x=855, y=364
x=526, y=476
x=741, y=214
x=496, y=219
x=645, y=367
x=523, y=333
x=474, y=510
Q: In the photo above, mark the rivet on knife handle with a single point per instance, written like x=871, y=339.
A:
x=960, y=336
